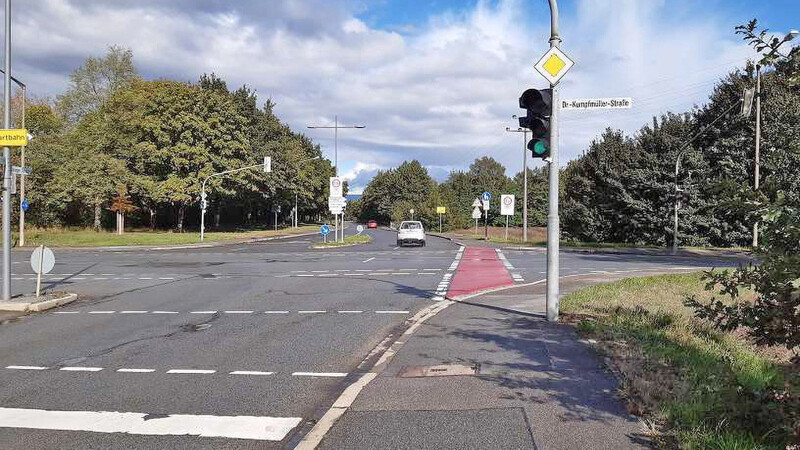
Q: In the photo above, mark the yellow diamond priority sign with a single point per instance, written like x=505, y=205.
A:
x=554, y=65
x=13, y=138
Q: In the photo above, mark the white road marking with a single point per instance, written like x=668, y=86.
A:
x=67, y=312
x=350, y=312
x=368, y=260
x=239, y=312
x=250, y=372
x=166, y=278
x=203, y=312
x=133, y=312
x=165, y=312
x=319, y=374
x=311, y=312
x=145, y=278
x=81, y=369
x=191, y=371
x=329, y=275
x=234, y=427
x=276, y=312
x=136, y=370
x=391, y=312
x=26, y=367
x=302, y=275
x=102, y=312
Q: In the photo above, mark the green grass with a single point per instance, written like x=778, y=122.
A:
x=706, y=387
x=70, y=237
x=348, y=241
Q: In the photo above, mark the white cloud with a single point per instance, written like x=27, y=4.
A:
x=442, y=94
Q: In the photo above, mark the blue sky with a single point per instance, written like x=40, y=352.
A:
x=434, y=80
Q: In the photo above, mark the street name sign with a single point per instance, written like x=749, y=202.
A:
x=16, y=170
x=476, y=213
x=598, y=103
x=13, y=138
x=507, y=205
x=336, y=187
x=554, y=65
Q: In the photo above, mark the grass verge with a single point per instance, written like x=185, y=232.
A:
x=702, y=388
x=355, y=239
x=70, y=237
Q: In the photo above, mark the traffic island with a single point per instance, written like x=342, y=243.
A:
x=31, y=303
x=349, y=241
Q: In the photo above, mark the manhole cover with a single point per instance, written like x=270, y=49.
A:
x=443, y=370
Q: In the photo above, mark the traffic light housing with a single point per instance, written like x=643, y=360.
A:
x=539, y=106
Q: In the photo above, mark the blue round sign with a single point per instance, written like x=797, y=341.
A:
x=24, y=205
x=325, y=230
x=486, y=196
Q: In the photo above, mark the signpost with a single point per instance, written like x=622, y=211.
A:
x=42, y=261
x=13, y=138
x=486, y=197
x=507, y=208
x=553, y=65
x=440, y=210
x=360, y=229
x=325, y=231
x=598, y=103
x=275, y=210
x=336, y=186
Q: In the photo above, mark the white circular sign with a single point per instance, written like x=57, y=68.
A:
x=44, y=258
x=360, y=228
x=412, y=210
x=508, y=200
x=336, y=183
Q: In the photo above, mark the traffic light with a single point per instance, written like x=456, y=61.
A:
x=539, y=106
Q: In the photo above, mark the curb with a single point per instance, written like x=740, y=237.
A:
x=38, y=306
x=124, y=248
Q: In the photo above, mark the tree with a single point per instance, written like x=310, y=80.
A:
x=94, y=82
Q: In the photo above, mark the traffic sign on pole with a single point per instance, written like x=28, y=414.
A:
x=553, y=65
x=507, y=205
x=486, y=196
x=13, y=138
x=25, y=205
x=325, y=230
x=476, y=213
x=598, y=103
x=336, y=187
x=42, y=261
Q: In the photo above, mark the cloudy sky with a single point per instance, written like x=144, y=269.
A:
x=434, y=80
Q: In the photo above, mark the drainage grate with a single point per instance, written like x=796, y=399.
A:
x=443, y=370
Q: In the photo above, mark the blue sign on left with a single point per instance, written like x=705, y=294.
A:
x=25, y=205
x=325, y=230
x=486, y=196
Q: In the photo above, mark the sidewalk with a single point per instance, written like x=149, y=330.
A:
x=537, y=384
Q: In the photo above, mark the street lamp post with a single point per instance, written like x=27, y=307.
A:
x=524, y=132
x=203, y=193
x=21, y=162
x=7, y=161
x=336, y=127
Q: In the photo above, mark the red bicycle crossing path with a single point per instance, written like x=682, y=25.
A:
x=480, y=269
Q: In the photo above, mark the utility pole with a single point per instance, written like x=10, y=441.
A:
x=553, y=228
x=7, y=162
x=336, y=127
x=524, y=132
x=758, y=145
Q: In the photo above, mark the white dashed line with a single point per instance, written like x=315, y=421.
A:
x=239, y=312
x=203, y=312
x=350, y=312
x=67, y=312
x=191, y=371
x=81, y=369
x=102, y=312
x=368, y=260
x=133, y=312
x=26, y=367
x=311, y=312
x=276, y=312
x=319, y=374
x=136, y=370
x=249, y=372
x=165, y=312
x=391, y=312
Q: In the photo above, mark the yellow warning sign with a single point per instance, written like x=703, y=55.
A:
x=441, y=210
x=13, y=138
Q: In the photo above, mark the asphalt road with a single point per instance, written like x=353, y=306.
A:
x=261, y=336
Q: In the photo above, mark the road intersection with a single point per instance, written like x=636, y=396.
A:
x=237, y=346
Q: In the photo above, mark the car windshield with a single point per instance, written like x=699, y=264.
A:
x=410, y=226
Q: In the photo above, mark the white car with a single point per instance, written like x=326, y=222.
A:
x=410, y=232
